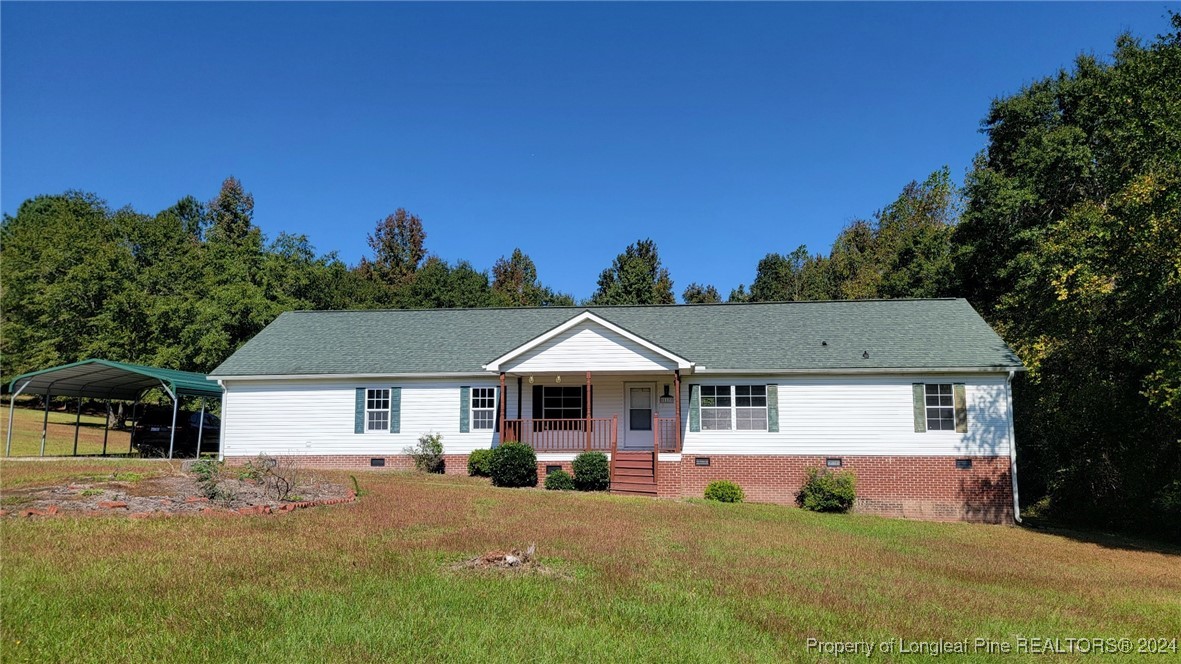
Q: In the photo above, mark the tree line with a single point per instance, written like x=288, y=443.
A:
x=1065, y=235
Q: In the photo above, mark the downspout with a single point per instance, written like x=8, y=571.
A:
x=1012, y=447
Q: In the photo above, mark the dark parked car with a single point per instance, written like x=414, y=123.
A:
x=151, y=432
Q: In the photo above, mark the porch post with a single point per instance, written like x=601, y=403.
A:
x=503, y=409
x=677, y=390
x=588, y=411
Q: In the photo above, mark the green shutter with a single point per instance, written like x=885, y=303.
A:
x=465, y=399
x=694, y=408
x=359, y=414
x=395, y=410
x=773, y=408
x=961, y=408
x=920, y=407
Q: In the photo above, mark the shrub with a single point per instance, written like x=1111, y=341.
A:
x=592, y=471
x=559, y=480
x=209, y=479
x=479, y=463
x=513, y=465
x=826, y=491
x=724, y=491
x=278, y=477
x=428, y=453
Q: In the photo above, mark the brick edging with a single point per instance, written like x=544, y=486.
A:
x=54, y=510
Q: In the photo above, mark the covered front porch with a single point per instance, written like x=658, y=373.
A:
x=605, y=413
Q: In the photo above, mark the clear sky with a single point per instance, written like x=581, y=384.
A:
x=722, y=131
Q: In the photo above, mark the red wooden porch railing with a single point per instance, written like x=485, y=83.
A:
x=564, y=435
x=665, y=434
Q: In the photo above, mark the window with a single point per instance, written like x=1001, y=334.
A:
x=561, y=403
x=377, y=410
x=741, y=407
x=483, y=408
x=940, y=407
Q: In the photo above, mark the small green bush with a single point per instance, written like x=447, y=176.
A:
x=826, y=491
x=724, y=491
x=206, y=469
x=592, y=471
x=428, y=454
x=513, y=465
x=559, y=480
x=479, y=463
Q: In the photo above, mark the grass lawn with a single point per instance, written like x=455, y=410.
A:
x=648, y=580
x=26, y=433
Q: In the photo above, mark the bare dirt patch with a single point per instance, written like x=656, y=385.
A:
x=167, y=494
x=512, y=561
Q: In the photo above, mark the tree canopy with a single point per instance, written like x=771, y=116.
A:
x=635, y=277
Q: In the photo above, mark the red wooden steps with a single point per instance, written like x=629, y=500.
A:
x=634, y=474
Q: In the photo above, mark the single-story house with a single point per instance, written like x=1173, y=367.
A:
x=913, y=396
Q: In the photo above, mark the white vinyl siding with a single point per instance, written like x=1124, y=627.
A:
x=857, y=415
x=590, y=347
x=314, y=417
x=818, y=416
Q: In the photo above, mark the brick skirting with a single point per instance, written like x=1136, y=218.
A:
x=918, y=487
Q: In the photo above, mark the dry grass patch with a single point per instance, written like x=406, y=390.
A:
x=648, y=580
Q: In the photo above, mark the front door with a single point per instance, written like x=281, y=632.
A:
x=639, y=403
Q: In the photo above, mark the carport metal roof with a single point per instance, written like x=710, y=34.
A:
x=104, y=379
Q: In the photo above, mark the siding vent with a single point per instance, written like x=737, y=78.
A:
x=377, y=463
x=550, y=470
x=963, y=464
x=701, y=461
x=833, y=462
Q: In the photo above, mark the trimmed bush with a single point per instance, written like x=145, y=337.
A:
x=592, y=471
x=479, y=463
x=428, y=454
x=559, y=480
x=513, y=465
x=724, y=491
x=826, y=491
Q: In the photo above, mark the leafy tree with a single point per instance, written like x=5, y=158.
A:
x=738, y=295
x=695, y=293
x=1070, y=245
x=231, y=213
x=796, y=276
x=515, y=284
x=635, y=277
x=399, y=248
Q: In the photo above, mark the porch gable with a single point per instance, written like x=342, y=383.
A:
x=588, y=343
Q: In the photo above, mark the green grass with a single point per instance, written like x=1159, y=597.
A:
x=26, y=433
x=643, y=580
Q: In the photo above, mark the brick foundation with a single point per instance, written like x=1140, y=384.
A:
x=917, y=487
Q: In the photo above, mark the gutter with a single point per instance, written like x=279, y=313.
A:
x=864, y=370
x=1012, y=448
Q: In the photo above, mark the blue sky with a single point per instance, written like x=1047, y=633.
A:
x=722, y=131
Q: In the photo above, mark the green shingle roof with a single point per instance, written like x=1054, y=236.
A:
x=815, y=336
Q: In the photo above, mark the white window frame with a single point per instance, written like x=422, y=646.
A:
x=733, y=407
x=946, y=401
x=374, y=397
x=483, y=394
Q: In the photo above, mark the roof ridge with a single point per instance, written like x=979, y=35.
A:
x=587, y=307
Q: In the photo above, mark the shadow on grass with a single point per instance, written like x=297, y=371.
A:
x=1108, y=540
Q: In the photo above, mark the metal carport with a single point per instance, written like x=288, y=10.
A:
x=104, y=379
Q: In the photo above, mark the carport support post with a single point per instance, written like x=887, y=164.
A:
x=134, y=423
x=172, y=432
x=201, y=428
x=45, y=423
x=77, y=424
x=106, y=427
x=11, y=412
